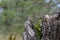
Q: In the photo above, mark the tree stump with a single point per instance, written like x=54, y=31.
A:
x=51, y=27
x=30, y=30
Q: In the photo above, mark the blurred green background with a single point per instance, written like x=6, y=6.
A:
x=14, y=13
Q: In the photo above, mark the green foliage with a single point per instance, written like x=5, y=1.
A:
x=18, y=11
x=38, y=28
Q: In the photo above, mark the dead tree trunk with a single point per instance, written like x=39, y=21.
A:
x=51, y=27
x=29, y=30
